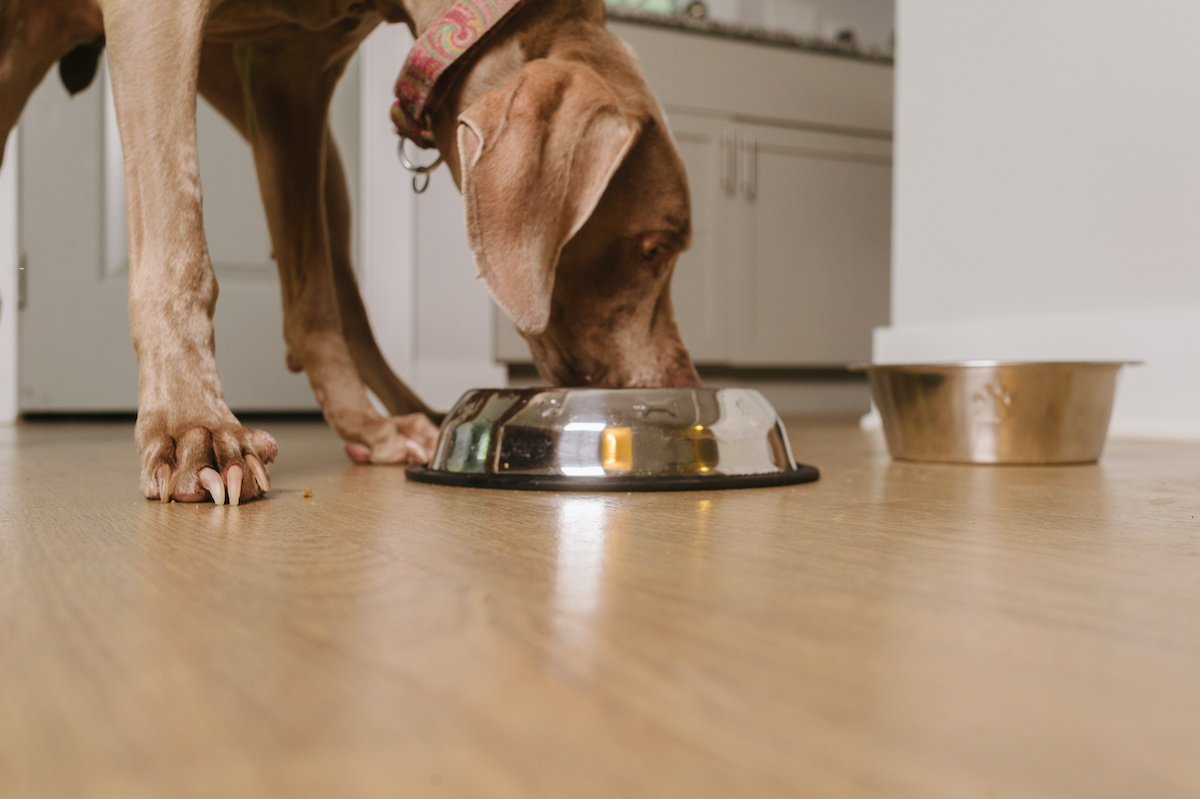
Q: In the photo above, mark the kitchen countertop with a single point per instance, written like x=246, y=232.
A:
x=748, y=33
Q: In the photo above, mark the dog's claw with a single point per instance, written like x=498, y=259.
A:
x=260, y=473
x=233, y=479
x=417, y=453
x=213, y=485
x=359, y=453
x=163, y=481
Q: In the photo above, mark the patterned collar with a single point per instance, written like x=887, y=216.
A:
x=433, y=64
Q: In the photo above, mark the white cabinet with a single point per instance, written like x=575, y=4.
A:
x=789, y=161
x=700, y=285
x=790, y=262
x=816, y=236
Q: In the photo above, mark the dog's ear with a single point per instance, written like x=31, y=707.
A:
x=78, y=67
x=536, y=155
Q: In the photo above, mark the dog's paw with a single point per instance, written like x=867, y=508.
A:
x=400, y=439
x=224, y=462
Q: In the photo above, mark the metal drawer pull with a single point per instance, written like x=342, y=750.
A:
x=729, y=165
x=750, y=169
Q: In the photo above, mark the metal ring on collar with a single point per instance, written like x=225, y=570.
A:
x=416, y=168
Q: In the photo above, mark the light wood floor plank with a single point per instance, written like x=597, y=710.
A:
x=893, y=630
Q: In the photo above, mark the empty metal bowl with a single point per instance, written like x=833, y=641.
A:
x=655, y=439
x=995, y=411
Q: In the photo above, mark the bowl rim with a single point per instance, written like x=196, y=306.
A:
x=799, y=474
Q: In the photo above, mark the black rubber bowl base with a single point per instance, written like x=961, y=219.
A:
x=685, y=482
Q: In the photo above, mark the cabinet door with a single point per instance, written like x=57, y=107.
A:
x=815, y=278
x=699, y=287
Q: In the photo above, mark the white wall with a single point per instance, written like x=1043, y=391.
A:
x=1048, y=192
x=9, y=256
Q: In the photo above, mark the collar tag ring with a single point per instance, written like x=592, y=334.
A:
x=418, y=171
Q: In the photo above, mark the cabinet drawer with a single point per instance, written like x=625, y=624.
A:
x=696, y=73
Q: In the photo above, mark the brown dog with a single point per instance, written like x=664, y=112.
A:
x=576, y=204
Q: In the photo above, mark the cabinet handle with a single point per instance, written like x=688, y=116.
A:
x=750, y=169
x=729, y=165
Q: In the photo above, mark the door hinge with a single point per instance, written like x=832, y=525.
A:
x=22, y=282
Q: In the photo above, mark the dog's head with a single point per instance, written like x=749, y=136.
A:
x=577, y=209
x=36, y=33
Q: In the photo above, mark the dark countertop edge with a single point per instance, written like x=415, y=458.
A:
x=747, y=33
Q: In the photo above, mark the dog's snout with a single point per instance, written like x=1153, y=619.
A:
x=684, y=377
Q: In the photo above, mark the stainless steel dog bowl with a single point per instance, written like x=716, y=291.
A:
x=658, y=439
x=995, y=411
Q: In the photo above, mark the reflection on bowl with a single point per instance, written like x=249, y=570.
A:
x=613, y=440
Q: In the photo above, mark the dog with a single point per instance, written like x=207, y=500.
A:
x=575, y=197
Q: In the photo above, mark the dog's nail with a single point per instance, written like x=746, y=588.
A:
x=260, y=473
x=234, y=479
x=359, y=453
x=163, y=480
x=213, y=485
x=417, y=453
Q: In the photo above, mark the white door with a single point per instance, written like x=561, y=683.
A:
x=75, y=345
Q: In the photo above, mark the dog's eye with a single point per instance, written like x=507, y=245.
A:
x=654, y=249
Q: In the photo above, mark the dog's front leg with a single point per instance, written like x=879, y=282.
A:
x=221, y=85
x=191, y=445
x=288, y=84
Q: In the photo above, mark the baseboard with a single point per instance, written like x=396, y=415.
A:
x=1160, y=399
x=818, y=393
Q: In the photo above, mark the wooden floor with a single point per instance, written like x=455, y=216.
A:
x=895, y=630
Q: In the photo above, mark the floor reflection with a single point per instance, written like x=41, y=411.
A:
x=580, y=540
